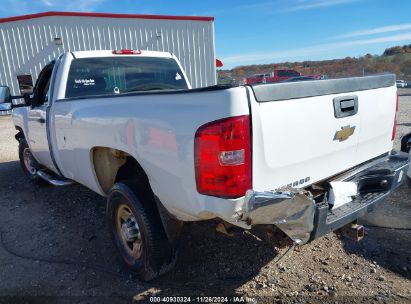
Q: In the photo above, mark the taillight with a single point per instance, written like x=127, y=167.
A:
x=394, y=128
x=223, y=157
x=126, y=52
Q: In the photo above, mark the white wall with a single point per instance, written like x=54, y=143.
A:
x=27, y=45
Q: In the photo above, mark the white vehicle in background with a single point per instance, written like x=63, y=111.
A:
x=401, y=83
x=308, y=157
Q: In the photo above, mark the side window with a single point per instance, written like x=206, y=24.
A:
x=41, y=91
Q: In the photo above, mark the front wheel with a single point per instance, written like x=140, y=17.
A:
x=27, y=162
x=138, y=233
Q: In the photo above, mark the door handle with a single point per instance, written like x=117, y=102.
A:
x=345, y=106
x=41, y=120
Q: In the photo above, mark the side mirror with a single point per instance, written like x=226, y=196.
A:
x=5, y=100
x=5, y=96
x=5, y=107
x=25, y=84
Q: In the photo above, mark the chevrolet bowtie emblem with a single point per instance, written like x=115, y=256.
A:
x=344, y=133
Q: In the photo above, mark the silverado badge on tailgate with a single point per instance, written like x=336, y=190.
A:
x=344, y=133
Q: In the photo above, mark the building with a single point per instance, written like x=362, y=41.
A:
x=28, y=42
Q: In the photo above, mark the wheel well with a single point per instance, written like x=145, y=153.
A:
x=112, y=166
x=106, y=163
x=131, y=170
x=133, y=173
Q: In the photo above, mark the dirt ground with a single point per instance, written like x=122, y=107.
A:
x=55, y=248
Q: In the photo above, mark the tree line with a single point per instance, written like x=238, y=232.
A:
x=395, y=59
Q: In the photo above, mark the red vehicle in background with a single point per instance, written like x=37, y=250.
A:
x=279, y=75
x=276, y=76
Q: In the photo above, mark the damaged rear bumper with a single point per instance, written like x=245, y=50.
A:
x=303, y=218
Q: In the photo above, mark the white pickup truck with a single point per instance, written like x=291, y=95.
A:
x=308, y=157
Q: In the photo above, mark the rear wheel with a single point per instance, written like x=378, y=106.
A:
x=138, y=233
x=27, y=162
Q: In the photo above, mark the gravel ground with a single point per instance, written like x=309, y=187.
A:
x=55, y=248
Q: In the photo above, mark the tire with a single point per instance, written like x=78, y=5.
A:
x=145, y=249
x=27, y=162
x=409, y=181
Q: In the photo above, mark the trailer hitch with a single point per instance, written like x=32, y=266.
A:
x=353, y=231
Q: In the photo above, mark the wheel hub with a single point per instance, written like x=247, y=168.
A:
x=130, y=230
x=28, y=161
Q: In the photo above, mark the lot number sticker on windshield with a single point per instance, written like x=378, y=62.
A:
x=85, y=82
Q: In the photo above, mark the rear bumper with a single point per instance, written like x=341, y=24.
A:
x=393, y=169
x=303, y=218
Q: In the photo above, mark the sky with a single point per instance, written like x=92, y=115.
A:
x=267, y=31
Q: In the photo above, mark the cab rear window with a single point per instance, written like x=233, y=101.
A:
x=114, y=75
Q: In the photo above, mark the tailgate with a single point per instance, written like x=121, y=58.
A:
x=304, y=132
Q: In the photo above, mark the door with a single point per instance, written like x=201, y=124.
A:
x=37, y=119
